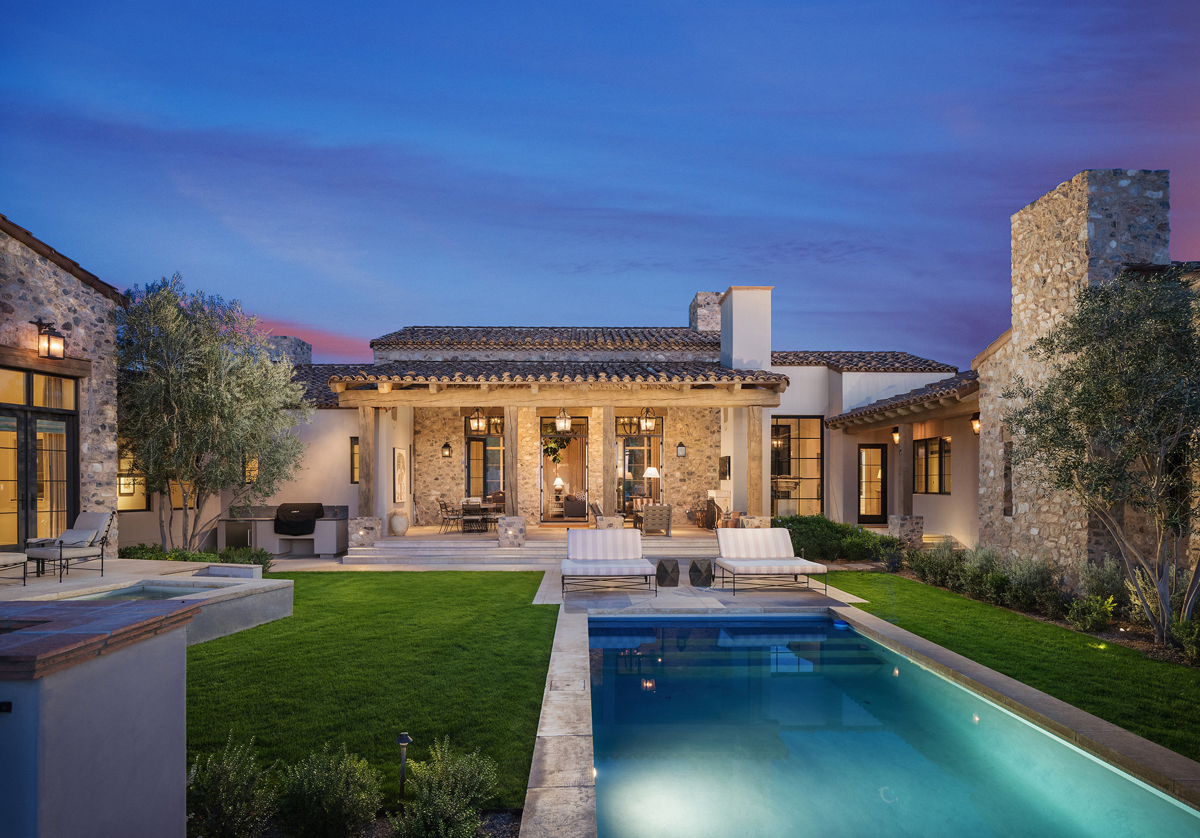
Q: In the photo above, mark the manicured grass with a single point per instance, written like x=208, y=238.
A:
x=1154, y=699
x=367, y=655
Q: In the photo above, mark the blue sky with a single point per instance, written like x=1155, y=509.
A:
x=349, y=169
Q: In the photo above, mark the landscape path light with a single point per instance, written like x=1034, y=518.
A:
x=403, y=740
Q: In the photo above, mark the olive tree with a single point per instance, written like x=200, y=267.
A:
x=1114, y=422
x=203, y=410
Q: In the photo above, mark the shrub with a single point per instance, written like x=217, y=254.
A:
x=1137, y=614
x=819, y=537
x=449, y=791
x=1105, y=580
x=1033, y=587
x=1091, y=613
x=248, y=555
x=329, y=795
x=229, y=795
x=1187, y=635
x=893, y=554
x=974, y=576
x=936, y=566
x=141, y=551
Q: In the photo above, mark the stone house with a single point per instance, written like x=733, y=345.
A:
x=58, y=415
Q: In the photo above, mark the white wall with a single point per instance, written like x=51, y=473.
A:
x=324, y=473
x=393, y=429
x=142, y=527
x=862, y=388
x=746, y=328
x=955, y=514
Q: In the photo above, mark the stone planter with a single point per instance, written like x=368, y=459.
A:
x=910, y=529
x=365, y=531
x=511, y=531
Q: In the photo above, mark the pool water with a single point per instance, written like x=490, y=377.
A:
x=145, y=592
x=769, y=727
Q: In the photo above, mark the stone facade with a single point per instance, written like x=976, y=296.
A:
x=294, y=349
x=436, y=477
x=32, y=286
x=910, y=529
x=364, y=532
x=511, y=531
x=686, y=480
x=1080, y=233
x=704, y=314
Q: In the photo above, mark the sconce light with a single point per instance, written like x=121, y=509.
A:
x=896, y=435
x=477, y=422
x=562, y=422
x=680, y=450
x=975, y=423
x=647, y=421
x=447, y=450
x=51, y=343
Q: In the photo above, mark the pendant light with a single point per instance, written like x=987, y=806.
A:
x=477, y=422
x=562, y=422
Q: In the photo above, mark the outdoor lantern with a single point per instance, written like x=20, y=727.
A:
x=447, y=450
x=896, y=434
x=403, y=740
x=680, y=450
x=777, y=442
x=562, y=422
x=975, y=423
x=50, y=342
x=477, y=422
x=647, y=421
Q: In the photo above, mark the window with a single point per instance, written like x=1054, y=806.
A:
x=931, y=466
x=12, y=387
x=177, y=494
x=1008, y=479
x=353, y=459
x=131, y=486
x=796, y=465
x=250, y=470
x=638, y=451
x=485, y=458
x=52, y=391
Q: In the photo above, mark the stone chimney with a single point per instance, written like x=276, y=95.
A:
x=294, y=349
x=704, y=314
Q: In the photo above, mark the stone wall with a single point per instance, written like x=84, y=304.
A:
x=529, y=459
x=294, y=349
x=686, y=480
x=436, y=477
x=704, y=314
x=32, y=287
x=1080, y=233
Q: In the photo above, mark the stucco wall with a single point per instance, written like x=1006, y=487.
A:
x=33, y=287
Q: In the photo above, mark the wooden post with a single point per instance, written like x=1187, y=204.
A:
x=510, y=461
x=608, y=473
x=754, y=462
x=904, y=457
x=366, y=462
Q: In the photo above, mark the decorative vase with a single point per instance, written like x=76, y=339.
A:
x=399, y=523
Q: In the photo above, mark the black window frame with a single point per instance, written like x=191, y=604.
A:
x=821, y=440
x=921, y=459
x=355, y=471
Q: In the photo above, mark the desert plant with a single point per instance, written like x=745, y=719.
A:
x=973, y=576
x=449, y=790
x=1104, y=580
x=248, y=555
x=1033, y=587
x=937, y=565
x=1137, y=613
x=329, y=795
x=1091, y=613
x=1187, y=635
x=229, y=795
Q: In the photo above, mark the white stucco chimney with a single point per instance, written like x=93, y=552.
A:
x=746, y=327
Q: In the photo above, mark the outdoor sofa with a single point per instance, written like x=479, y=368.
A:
x=763, y=559
x=599, y=559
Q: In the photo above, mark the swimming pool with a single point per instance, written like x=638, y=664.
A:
x=140, y=592
x=790, y=727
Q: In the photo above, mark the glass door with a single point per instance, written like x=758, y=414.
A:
x=564, y=471
x=11, y=499
x=872, y=484
x=36, y=476
x=51, y=477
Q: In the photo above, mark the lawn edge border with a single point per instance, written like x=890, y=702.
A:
x=1161, y=768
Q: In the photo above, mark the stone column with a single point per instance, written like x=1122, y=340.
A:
x=754, y=462
x=904, y=467
x=510, y=461
x=366, y=461
x=608, y=490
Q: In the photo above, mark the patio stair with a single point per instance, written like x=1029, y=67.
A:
x=441, y=551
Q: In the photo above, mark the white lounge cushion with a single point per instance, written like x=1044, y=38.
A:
x=764, y=567
x=98, y=521
x=11, y=559
x=67, y=552
x=602, y=545
x=594, y=567
x=773, y=543
x=77, y=538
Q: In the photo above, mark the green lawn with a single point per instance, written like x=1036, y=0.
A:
x=1151, y=698
x=367, y=655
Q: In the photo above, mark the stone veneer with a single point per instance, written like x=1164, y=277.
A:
x=296, y=350
x=436, y=477
x=686, y=480
x=704, y=314
x=32, y=286
x=1082, y=232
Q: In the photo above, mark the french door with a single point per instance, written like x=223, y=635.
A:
x=872, y=484
x=38, y=476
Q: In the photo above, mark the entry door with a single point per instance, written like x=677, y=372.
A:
x=36, y=476
x=872, y=484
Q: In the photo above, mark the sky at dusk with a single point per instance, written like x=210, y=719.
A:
x=348, y=169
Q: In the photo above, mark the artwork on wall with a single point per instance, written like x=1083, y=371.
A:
x=400, y=475
x=723, y=468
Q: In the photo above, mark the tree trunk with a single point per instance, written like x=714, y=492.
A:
x=164, y=503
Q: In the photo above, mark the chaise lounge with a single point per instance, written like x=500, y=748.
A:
x=606, y=559
x=764, y=559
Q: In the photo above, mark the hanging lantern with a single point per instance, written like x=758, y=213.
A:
x=647, y=421
x=562, y=422
x=896, y=434
x=477, y=422
x=51, y=343
x=778, y=441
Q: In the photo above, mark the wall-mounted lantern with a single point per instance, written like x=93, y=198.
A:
x=975, y=423
x=51, y=343
x=647, y=421
x=680, y=450
x=562, y=422
x=447, y=450
x=477, y=422
x=896, y=435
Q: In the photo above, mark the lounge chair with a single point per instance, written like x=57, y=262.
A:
x=11, y=560
x=82, y=543
x=599, y=559
x=764, y=559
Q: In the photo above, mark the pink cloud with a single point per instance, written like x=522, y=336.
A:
x=328, y=347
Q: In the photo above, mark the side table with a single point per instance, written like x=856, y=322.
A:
x=700, y=574
x=668, y=573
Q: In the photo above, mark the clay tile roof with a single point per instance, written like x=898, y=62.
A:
x=315, y=378
x=958, y=386
x=72, y=267
x=548, y=337
x=415, y=372
x=860, y=361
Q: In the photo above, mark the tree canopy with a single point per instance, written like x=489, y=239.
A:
x=1115, y=420
x=203, y=408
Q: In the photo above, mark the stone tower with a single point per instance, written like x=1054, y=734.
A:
x=704, y=314
x=294, y=349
